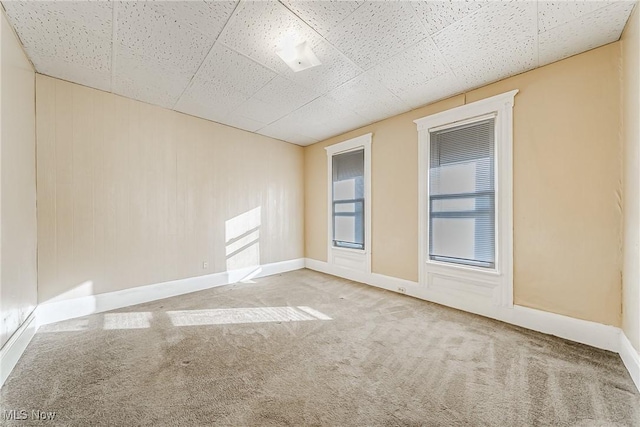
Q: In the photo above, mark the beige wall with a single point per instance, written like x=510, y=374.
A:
x=131, y=194
x=18, y=277
x=631, y=136
x=567, y=187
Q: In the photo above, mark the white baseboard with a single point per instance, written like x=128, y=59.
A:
x=582, y=331
x=631, y=358
x=11, y=352
x=56, y=311
x=50, y=312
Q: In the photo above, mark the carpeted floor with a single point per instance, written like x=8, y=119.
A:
x=304, y=348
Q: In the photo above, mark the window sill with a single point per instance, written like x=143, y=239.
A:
x=463, y=268
x=350, y=250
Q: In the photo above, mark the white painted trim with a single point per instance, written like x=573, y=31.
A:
x=57, y=311
x=467, y=111
x=631, y=359
x=469, y=286
x=593, y=334
x=13, y=349
x=360, y=259
x=77, y=307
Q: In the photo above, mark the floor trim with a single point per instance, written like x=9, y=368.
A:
x=631, y=358
x=47, y=313
x=11, y=352
x=583, y=331
x=57, y=311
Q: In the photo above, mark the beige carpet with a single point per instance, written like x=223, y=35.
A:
x=304, y=348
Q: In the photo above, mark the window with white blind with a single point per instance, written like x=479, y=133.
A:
x=349, y=204
x=462, y=194
x=348, y=199
x=465, y=191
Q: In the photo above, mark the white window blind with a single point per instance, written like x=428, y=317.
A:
x=462, y=194
x=348, y=199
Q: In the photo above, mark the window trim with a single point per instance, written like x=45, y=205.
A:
x=455, y=282
x=357, y=259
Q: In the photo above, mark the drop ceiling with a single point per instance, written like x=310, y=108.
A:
x=217, y=59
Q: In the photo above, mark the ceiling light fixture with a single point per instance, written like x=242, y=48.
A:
x=298, y=56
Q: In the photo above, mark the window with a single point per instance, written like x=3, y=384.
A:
x=349, y=204
x=348, y=199
x=462, y=194
x=465, y=191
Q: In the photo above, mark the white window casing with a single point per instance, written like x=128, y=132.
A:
x=465, y=285
x=354, y=259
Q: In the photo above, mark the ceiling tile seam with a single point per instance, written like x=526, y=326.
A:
x=114, y=44
x=462, y=19
x=302, y=106
x=184, y=23
x=604, y=6
x=393, y=92
x=400, y=100
x=236, y=110
x=235, y=10
x=253, y=60
x=362, y=70
x=239, y=5
x=429, y=36
x=422, y=22
x=278, y=74
x=290, y=113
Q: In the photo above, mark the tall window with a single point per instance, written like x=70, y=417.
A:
x=348, y=199
x=462, y=194
x=349, y=204
x=465, y=199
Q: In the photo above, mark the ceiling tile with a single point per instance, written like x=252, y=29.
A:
x=368, y=99
x=146, y=93
x=152, y=35
x=513, y=59
x=411, y=69
x=197, y=100
x=206, y=17
x=554, y=13
x=322, y=15
x=234, y=70
x=377, y=31
x=55, y=33
x=437, y=15
x=257, y=29
x=139, y=78
x=243, y=123
x=260, y=111
x=285, y=95
x=92, y=17
x=322, y=118
x=75, y=73
x=498, y=40
x=443, y=86
x=283, y=132
x=592, y=30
